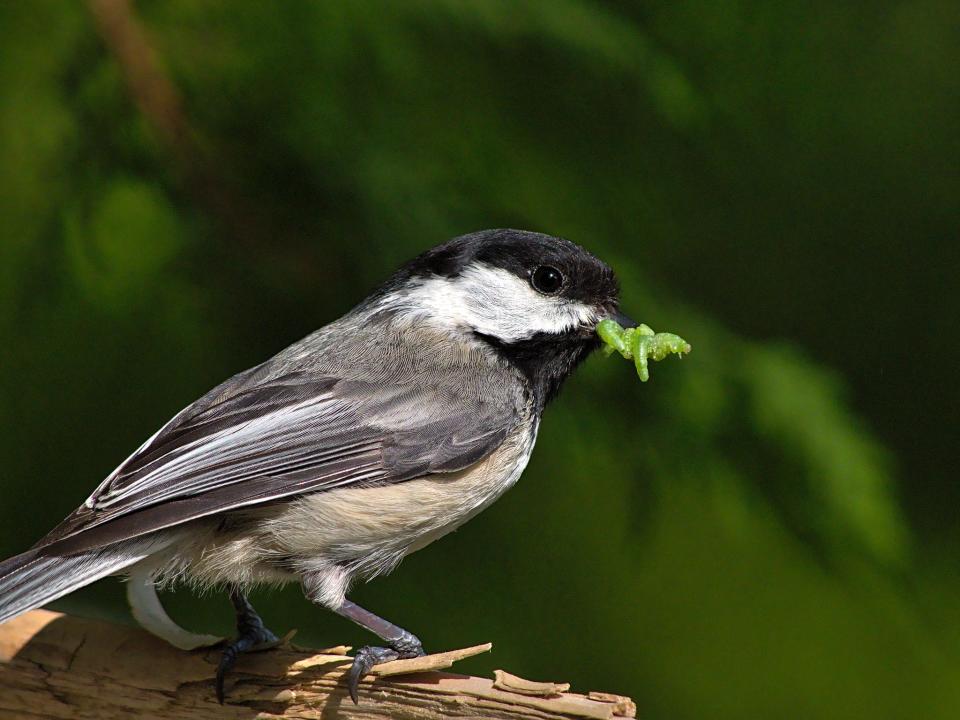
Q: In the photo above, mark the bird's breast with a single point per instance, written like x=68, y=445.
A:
x=372, y=528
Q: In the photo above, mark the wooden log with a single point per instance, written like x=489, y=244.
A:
x=59, y=666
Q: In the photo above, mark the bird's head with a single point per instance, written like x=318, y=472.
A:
x=535, y=299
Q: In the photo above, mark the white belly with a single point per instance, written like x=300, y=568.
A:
x=338, y=534
x=368, y=528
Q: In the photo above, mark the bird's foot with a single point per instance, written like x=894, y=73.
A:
x=407, y=646
x=256, y=639
x=252, y=635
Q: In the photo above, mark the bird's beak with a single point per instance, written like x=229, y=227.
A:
x=624, y=321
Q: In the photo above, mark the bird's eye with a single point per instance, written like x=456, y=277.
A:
x=546, y=279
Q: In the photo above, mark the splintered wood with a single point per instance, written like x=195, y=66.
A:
x=502, y=680
x=57, y=666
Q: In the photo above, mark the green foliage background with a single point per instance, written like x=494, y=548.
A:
x=767, y=529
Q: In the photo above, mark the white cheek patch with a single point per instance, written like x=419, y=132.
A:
x=491, y=301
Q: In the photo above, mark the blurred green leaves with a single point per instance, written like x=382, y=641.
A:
x=777, y=180
x=123, y=251
x=798, y=409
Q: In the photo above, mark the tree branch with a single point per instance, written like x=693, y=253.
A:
x=202, y=170
x=161, y=105
x=58, y=666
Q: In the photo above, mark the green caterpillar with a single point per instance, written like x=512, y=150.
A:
x=640, y=344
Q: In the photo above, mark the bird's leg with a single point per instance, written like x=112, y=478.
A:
x=251, y=635
x=400, y=643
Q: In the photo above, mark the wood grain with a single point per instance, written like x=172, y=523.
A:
x=58, y=666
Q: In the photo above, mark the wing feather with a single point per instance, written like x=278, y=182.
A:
x=279, y=438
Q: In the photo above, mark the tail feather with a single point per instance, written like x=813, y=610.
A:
x=35, y=578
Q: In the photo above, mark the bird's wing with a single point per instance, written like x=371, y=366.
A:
x=279, y=438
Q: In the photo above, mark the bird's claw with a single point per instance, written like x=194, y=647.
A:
x=253, y=639
x=363, y=661
x=367, y=657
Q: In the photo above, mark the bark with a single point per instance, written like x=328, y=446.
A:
x=58, y=666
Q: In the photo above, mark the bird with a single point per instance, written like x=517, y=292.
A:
x=359, y=444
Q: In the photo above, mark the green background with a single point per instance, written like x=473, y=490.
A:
x=766, y=529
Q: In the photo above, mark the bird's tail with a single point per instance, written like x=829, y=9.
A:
x=37, y=577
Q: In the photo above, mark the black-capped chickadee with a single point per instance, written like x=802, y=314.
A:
x=352, y=448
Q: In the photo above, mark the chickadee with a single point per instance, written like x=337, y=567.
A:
x=352, y=448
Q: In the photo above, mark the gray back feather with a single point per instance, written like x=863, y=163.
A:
x=360, y=401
